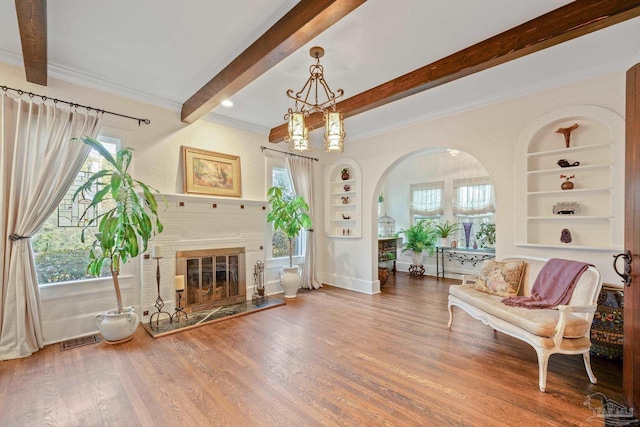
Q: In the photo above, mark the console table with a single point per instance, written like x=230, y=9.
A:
x=462, y=256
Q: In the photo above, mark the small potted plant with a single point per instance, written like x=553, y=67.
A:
x=124, y=231
x=344, y=173
x=420, y=237
x=567, y=184
x=291, y=215
x=445, y=231
x=486, y=235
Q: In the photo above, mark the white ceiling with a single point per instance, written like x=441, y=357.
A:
x=163, y=51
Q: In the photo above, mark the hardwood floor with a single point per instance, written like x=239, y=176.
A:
x=329, y=357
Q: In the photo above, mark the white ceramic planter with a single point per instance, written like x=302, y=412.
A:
x=291, y=279
x=416, y=258
x=117, y=327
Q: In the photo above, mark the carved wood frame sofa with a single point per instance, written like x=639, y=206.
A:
x=565, y=329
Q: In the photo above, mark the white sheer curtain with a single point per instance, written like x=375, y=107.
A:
x=426, y=199
x=38, y=162
x=301, y=171
x=473, y=196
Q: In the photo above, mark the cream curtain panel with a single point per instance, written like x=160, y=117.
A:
x=473, y=196
x=301, y=172
x=426, y=199
x=38, y=163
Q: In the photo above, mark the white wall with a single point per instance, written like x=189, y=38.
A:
x=489, y=134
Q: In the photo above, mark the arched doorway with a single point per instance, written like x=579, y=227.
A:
x=430, y=184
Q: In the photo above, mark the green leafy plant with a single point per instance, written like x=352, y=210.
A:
x=445, y=230
x=289, y=214
x=487, y=234
x=131, y=220
x=420, y=237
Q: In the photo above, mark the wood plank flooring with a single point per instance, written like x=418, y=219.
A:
x=329, y=357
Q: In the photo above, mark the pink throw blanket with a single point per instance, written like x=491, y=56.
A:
x=553, y=286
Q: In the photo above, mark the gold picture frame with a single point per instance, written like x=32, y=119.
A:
x=207, y=172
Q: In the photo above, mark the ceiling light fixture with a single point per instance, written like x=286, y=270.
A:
x=298, y=132
x=227, y=103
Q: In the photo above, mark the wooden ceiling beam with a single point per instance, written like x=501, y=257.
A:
x=565, y=23
x=32, y=22
x=300, y=25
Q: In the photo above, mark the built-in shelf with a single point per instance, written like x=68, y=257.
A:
x=594, y=184
x=335, y=225
x=570, y=150
x=570, y=246
x=570, y=170
x=568, y=217
x=569, y=192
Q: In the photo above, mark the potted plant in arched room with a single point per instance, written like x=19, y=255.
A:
x=419, y=238
x=124, y=230
x=291, y=215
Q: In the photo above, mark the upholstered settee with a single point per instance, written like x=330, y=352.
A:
x=564, y=329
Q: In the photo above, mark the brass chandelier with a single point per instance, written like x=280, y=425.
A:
x=298, y=132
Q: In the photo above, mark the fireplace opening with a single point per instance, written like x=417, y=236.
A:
x=213, y=277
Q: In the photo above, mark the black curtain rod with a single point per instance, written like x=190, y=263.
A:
x=73, y=104
x=262, y=147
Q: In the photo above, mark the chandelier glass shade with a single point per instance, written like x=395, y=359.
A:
x=316, y=85
x=298, y=133
x=333, y=131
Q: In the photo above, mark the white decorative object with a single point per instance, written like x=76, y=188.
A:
x=291, y=279
x=117, y=327
x=156, y=252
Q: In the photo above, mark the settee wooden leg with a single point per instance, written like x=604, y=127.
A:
x=450, y=316
x=587, y=365
x=543, y=363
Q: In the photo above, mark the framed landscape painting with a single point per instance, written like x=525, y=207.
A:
x=215, y=174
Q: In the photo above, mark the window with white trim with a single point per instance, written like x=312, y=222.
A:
x=59, y=252
x=427, y=201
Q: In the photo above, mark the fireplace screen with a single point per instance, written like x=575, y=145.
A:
x=212, y=277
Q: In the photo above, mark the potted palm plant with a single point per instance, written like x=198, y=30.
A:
x=445, y=231
x=291, y=215
x=124, y=230
x=419, y=238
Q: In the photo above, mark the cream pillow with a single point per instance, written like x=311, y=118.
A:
x=500, y=278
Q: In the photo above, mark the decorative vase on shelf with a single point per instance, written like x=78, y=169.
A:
x=467, y=232
x=566, y=185
x=344, y=174
x=347, y=187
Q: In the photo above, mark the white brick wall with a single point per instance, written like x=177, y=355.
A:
x=199, y=225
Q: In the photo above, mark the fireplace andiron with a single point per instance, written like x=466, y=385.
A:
x=259, y=294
